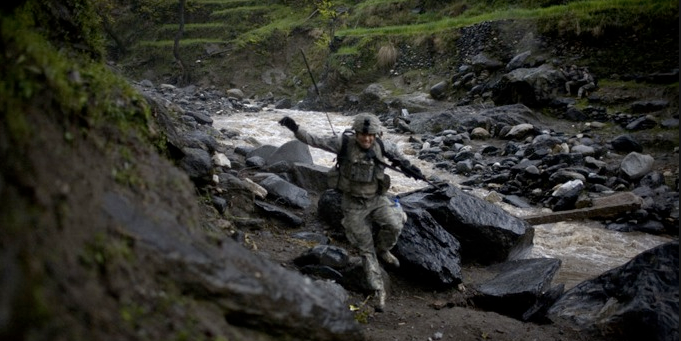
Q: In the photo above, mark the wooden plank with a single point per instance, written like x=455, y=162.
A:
x=602, y=208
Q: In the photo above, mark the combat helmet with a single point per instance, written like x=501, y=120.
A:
x=366, y=124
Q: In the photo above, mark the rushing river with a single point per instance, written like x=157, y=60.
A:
x=585, y=248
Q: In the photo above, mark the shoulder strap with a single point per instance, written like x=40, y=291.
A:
x=390, y=157
x=343, y=152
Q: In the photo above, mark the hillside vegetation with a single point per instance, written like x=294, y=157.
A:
x=236, y=43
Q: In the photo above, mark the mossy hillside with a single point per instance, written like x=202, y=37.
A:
x=70, y=129
x=342, y=39
x=79, y=85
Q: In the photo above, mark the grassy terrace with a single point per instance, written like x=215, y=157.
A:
x=372, y=24
x=237, y=21
x=249, y=21
x=228, y=3
x=594, y=12
x=185, y=42
x=242, y=10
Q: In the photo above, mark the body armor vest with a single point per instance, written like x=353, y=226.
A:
x=359, y=172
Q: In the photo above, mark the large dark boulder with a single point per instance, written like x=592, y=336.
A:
x=466, y=118
x=427, y=252
x=249, y=291
x=311, y=177
x=518, y=286
x=636, y=301
x=529, y=86
x=487, y=233
x=334, y=263
x=329, y=209
x=286, y=192
x=291, y=151
x=197, y=163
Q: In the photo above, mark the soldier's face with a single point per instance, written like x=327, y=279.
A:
x=365, y=140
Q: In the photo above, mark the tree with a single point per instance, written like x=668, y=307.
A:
x=184, y=72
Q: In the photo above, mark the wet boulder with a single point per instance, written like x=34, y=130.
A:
x=518, y=286
x=487, y=233
x=626, y=143
x=636, y=301
x=335, y=263
x=197, y=163
x=291, y=151
x=427, y=252
x=238, y=282
x=288, y=218
x=285, y=191
x=311, y=177
x=635, y=165
x=529, y=86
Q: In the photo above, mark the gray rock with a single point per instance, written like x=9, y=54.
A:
x=427, y=251
x=517, y=286
x=439, y=90
x=636, y=301
x=487, y=233
x=283, y=190
x=311, y=177
x=642, y=123
x=281, y=214
x=529, y=86
x=286, y=302
x=634, y=166
x=626, y=143
x=197, y=163
x=200, y=117
x=256, y=161
x=518, y=61
x=291, y=151
x=647, y=106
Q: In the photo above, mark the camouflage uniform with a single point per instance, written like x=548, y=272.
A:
x=572, y=76
x=363, y=183
x=588, y=84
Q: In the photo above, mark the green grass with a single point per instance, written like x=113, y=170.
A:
x=183, y=42
x=583, y=10
x=287, y=23
x=229, y=3
x=260, y=28
x=348, y=50
x=196, y=26
x=240, y=10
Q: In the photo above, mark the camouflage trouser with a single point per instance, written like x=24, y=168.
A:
x=586, y=88
x=358, y=216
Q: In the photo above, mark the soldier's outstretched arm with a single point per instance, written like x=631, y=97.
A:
x=330, y=144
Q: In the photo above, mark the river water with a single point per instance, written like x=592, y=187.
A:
x=585, y=248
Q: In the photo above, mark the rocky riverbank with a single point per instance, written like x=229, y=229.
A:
x=543, y=167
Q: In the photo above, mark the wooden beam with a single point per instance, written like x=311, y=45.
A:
x=602, y=208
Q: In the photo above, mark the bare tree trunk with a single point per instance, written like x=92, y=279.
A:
x=120, y=44
x=184, y=73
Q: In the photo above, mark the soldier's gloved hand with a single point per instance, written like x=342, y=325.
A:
x=289, y=123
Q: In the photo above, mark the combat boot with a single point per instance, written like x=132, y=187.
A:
x=380, y=300
x=389, y=259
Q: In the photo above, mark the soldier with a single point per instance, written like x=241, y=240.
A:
x=587, y=83
x=572, y=76
x=361, y=156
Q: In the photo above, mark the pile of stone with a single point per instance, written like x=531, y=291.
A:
x=531, y=165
